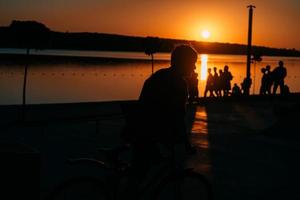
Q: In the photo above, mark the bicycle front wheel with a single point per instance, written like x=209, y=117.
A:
x=188, y=186
x=82, y=188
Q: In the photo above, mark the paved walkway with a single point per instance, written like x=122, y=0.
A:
x=241, y=158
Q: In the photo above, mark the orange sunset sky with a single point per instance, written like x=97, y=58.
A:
x=276, y=22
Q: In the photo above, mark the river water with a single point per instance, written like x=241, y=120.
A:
x=65, y=82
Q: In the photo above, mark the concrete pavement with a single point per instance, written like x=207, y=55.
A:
x=242, y=148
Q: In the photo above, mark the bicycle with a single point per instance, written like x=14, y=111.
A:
x=168, y=182
x=175, y=184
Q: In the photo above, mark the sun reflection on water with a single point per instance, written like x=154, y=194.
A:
x=203, y=68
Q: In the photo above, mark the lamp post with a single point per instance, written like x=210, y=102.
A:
x=151, y=46
x=248, y=80
x=30, y=35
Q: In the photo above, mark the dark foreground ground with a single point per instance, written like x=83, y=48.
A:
x=248, y=147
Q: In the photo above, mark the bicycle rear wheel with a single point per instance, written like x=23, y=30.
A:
x=188, y=186
x=82, y=188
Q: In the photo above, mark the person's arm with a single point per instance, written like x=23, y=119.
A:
x=284, y=73
x=144, y=93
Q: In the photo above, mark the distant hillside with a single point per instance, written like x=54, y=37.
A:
x=31, y=34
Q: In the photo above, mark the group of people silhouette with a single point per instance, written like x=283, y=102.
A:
x=273, y=78
x=218, y=83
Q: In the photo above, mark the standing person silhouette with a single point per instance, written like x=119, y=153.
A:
x=278, y=74
x=220, y=83
x=269, y=80
x=227, y=78
x=263, y=83
x=216, y=82
x=209, y=84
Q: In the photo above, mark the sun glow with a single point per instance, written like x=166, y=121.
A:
x=205, y=34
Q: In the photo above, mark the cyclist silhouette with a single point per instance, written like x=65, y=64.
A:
x=160, y=116
x=161, y=109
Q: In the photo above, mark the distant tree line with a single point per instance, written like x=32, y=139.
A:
x=32, y=34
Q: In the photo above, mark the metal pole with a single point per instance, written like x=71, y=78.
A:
x=24, y=86
x=152, y=60
x=25, y=79
x=249, y=47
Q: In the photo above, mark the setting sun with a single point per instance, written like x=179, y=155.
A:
x=205, y=34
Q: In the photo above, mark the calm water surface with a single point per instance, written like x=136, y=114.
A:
x=81, y=82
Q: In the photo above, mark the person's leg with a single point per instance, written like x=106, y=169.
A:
x=220, y=92
x=268, y=91
x=144, y=155
x=261, y=90
x=205, y=92
x=281, y=85
x=225, y=93
x=210, y=93
x=275, y=87
x=180, y=153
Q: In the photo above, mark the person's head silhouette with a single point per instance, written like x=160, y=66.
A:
x=226, y=68
x=183, y=59
x=280, y=63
